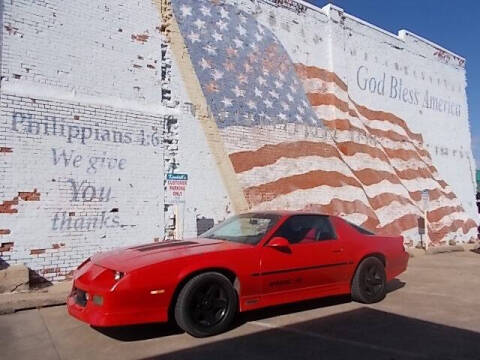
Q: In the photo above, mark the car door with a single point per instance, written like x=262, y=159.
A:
x=315, y=258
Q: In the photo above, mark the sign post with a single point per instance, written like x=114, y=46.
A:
x=425, y=199
x=421, y=229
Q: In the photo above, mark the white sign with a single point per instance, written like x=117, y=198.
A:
x=425, y=198
x=176, y=186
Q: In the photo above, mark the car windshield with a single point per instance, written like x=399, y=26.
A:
x=245, y=228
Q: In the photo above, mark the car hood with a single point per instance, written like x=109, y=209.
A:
x=135, y=257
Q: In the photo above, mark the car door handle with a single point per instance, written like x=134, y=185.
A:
x=337, y=251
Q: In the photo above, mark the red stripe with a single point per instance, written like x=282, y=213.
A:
x=269, y=154
x=308, y=72
x=309, y=180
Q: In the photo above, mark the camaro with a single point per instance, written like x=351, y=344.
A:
x=249, y=261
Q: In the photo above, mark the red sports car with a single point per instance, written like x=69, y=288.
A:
x=248, y=262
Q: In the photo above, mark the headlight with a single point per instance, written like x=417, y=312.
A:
x=118, y=275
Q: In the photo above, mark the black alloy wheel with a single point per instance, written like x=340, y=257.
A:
x=209, y=305
x=369, y=281
x=206, y=305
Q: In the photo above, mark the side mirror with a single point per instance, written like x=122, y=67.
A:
x=279, y=242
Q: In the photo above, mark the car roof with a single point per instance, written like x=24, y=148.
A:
x=288, y=212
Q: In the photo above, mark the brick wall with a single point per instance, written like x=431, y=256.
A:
x=82, y=129
x=104, y=49
x=78, y=179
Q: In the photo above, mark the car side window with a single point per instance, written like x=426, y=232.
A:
x=301, y=229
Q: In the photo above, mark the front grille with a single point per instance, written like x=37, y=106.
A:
x=80, y=297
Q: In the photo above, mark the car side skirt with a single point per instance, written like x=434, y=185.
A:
x=285, y=297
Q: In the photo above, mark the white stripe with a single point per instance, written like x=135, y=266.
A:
x=314, y=85
x=420, y=184
x=411, y=234
x=321, y=195
x=473, y=232
x=355, y=218
x=353, y=120
x=341, y=136
x=385, y=125
x=319, y=86
x=361, y=161
x=330, y=112
x=411, y=164
x=256, y=140
x=285, y=167
x=449, y=219
x=386, y=186
x=395, y=210
x=459, y=236
x=243, y=138
x=442, y=201
x=396, y=145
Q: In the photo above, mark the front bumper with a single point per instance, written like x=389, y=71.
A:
x=124, y=305
x=93, y=315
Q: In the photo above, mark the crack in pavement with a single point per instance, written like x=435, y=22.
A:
x=49, y=334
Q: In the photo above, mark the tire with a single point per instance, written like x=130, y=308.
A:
x=369, y=281
x=206, y=305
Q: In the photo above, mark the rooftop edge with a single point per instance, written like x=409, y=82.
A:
x=401, y=35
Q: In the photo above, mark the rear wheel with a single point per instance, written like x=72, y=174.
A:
x=206, y=305
x=368, y=284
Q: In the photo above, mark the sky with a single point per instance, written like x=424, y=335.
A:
x=454, y=25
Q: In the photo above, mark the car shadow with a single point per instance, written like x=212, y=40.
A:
x=156, y=330
x=278, y=310
x=476, y=251
x=394, y=285
x=363, y=333
x=306, y=305
x=139, y=332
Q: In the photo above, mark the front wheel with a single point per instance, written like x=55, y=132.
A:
x=368, y=284
x=206, y=305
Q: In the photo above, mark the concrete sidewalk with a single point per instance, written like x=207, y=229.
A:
x=53, y=295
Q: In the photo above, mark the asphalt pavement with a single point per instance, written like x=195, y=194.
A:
x=431, y=312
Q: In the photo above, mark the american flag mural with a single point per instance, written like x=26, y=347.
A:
x=295, y=138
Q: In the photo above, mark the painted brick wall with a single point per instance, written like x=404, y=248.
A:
x=76, y=181
x=367, y=156
x=82, y=130
x=104, y=49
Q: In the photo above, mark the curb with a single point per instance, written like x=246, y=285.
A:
x=413, y=252
x=30, y=304
x=55, y=295
x=444, y=249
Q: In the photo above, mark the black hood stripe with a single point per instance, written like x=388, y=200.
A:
x=168, y=244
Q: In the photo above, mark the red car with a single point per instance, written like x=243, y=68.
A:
x=248, y=262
